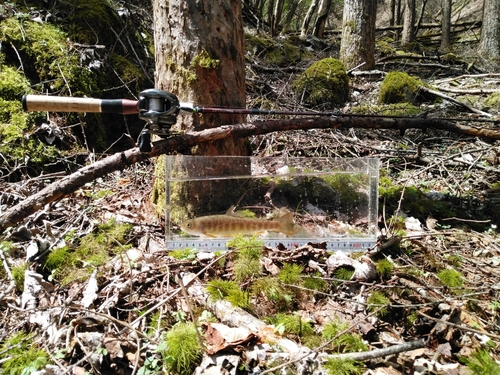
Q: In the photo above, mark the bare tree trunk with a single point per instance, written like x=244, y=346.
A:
x=397, y=35
x=420, y=17
x=200, y=58
x=446, y=26
x=319, y=26
x=290, y=14
x=408, y=34
x=277, y=15
x=307, y=19
x=270, y=13
x=489, y=44
x=392, y=12
x=358, y=34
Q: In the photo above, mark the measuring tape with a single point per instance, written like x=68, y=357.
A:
x=342, y=244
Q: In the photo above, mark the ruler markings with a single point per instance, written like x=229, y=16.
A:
x=215, y=244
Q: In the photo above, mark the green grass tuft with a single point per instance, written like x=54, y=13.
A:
x=451, y=278
x=336, y=366
x=291, y=274
x=378, y=301
x=181, y=349
x=230, y=291
x=481, y=363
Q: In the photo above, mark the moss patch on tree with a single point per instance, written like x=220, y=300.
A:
x=324, y=83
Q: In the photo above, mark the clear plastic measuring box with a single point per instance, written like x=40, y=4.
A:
x=287, y=200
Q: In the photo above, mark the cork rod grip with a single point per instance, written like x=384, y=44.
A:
x=71, y=104
x=60, y=104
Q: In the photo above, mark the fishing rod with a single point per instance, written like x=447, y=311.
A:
x=157, y=107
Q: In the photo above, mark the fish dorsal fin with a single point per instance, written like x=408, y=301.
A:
x=286, y=223
x=231, y=212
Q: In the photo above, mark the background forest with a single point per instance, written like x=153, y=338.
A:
x=87, y=285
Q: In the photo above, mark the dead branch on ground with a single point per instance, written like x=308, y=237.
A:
x=183, y=142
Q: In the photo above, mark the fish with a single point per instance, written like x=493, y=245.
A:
x=231, y=224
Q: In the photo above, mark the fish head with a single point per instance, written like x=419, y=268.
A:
x=191, y=227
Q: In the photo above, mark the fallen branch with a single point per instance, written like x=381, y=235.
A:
x=453, y=100
x=469, y=91
x=183, y=142
x=379, y=353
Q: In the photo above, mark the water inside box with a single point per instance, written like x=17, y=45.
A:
x=288, y=200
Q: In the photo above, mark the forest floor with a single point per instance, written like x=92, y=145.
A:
x=88, y=286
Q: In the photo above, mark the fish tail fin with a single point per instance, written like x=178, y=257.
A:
x=286, y=224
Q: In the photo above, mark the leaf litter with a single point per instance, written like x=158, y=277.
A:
x=424, y=300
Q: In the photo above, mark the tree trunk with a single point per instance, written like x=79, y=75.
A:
x=392, y=12
x=200, y=58
x=420, y=17
x=358, y=34
x=489, y=44
x=319, y=26
x=397, y=34
x=307, y=19
x=277, y=15
x=290, y=14
x=446, y=26
x=408, y=34
x=270, y=13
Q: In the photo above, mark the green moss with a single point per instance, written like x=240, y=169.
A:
x=230, y=291
x=336, y=366
x=18, y=275
x=350, y=189
x=158, y=196
x=273, y=290
x=277, y=53
x=399, y=87
x=342, y=342
x=13, y=84
x=247, y=260
x=49, y=54
x=291, y=274
x=88, y=20
x=396, y=109
x=385, y=47
x=480, y=362
x=93, y=251
x=22, y=355
x=181, y=350
x=126, y=69
x=379, y=302
x=324, y=83
x=493, y=100
x=57, y=258
x=343, y=273
x=384, y=268
x=204, y=60
x=183, y=254
x=315, y=282
x=292, y=324
x=451, y=278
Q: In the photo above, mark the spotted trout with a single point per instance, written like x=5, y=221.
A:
x=230, y=225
